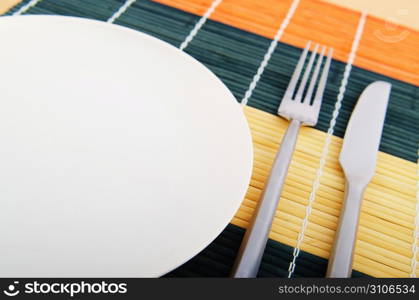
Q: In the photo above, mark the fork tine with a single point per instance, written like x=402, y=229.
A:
x=293, y=82
x=314, y=77
x=303, y=83
x=322, y=83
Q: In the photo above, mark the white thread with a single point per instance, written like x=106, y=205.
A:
x=200, y=23
x=416, y=229
x=26, y=7
x=268, y=54
x=120, y=11
x=328, y=139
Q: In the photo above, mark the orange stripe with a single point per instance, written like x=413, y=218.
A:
x=325, y=23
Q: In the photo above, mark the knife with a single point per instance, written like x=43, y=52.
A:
x=358, y=159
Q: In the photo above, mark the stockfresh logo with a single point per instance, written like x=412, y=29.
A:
x=71, y=288
x=12, y=290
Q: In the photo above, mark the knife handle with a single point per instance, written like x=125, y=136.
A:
x=340, y=261
x=254, y=241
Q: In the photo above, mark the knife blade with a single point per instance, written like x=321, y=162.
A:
x=358, y=160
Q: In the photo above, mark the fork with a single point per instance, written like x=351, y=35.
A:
x=300, y=112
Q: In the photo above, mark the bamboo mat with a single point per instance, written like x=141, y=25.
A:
x=324, y=23
x=232, y=44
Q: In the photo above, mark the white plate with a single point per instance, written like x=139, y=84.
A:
x=120, y=155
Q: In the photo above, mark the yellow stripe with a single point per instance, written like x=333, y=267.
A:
x=5, y=5
x=387, y=219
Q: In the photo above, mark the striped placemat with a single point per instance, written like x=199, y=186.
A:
x=253, y=47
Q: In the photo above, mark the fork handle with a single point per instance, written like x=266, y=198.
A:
x=254, y=241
